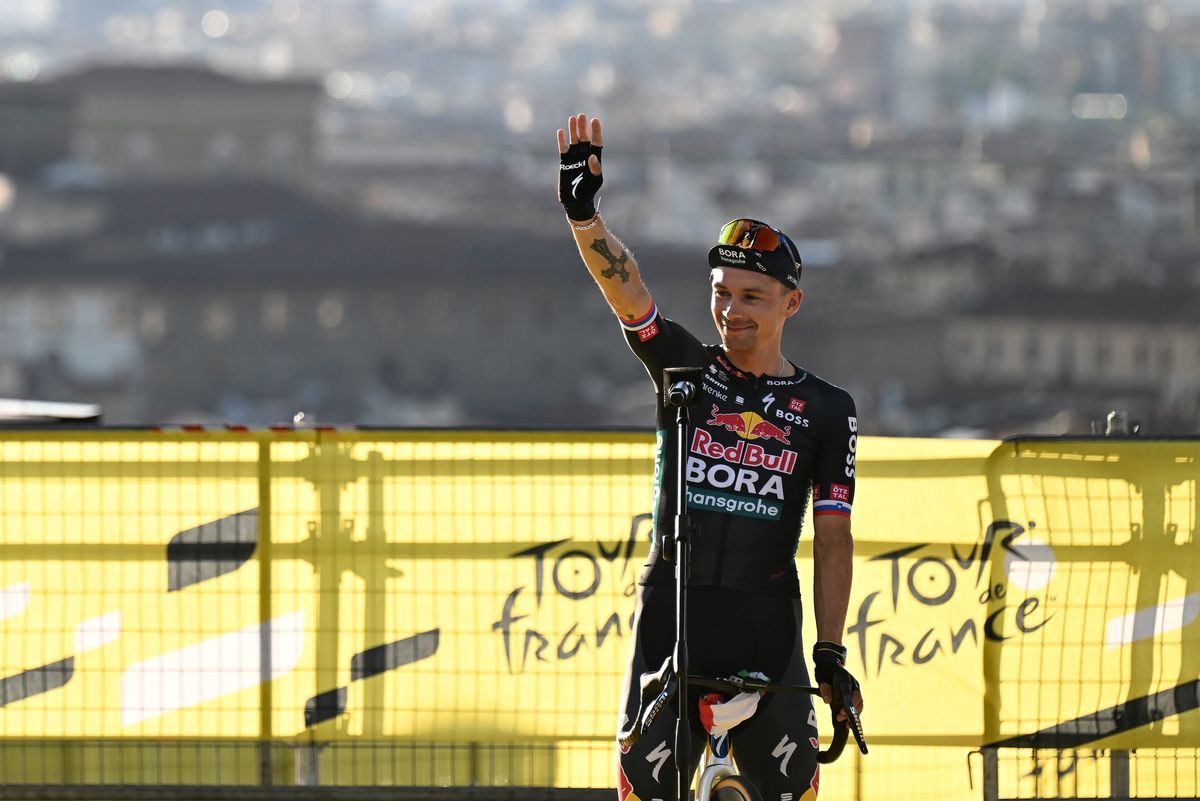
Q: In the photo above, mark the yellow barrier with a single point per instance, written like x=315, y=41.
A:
x=454, y=608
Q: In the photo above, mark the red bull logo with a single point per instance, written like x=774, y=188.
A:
x=744, y=453
x=749, y=425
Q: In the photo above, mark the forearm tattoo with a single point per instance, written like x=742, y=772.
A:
x=616, y=267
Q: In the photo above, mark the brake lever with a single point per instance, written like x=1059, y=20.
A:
x=650, y=704
x=855, y=724
x=665, y=695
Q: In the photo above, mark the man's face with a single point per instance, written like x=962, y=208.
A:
x=750, y=309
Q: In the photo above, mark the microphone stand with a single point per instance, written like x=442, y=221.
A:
x=680, y=386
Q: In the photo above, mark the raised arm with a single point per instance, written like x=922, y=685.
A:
x=606, y=257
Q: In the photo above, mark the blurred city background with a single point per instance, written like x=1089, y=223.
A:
x=235, y=210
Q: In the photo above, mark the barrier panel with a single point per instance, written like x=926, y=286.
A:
x=373, y=613
x=1101, y=701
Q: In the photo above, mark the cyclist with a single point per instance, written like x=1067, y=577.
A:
x=766, y=435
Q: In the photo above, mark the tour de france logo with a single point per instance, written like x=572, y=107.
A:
x=597, y=576
x=973, y=598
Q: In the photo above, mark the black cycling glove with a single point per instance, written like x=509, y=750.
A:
x=577, y=187
x=829, y=667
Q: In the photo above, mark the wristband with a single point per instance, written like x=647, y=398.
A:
x=824, y=650
x=580, y=212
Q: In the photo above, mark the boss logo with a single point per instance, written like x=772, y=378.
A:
x=851, y=446
x=784, y=414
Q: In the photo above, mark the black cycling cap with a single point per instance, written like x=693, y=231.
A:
x=754, y=245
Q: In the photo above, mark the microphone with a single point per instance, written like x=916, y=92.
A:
x=680, y=385
x=681, y=393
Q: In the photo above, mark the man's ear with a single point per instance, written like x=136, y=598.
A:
x=794, y=301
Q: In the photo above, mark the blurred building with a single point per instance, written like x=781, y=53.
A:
x=1130, y=341
x=247, y=302
x=165, y=123
x=37, y=121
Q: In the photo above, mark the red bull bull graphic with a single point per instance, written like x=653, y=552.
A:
x=734, y=421
x=749, y=425
x=744, y=453
x=768, y=430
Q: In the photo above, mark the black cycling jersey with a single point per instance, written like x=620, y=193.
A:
x=758, y=446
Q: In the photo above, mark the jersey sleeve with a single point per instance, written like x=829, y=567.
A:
x=661, y=343
x=833, y=473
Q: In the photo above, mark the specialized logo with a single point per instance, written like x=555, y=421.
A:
x=720, y=745
x=744, y=453
x=659, y=755
x=768, y=399
x=749, y=425
x=784, y=750
x=575, y=185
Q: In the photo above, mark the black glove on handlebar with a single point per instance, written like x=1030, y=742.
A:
x=577, y=187
x=829, y=667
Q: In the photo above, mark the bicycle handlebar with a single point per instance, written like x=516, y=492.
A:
x=742, y=684
x=659, y=687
